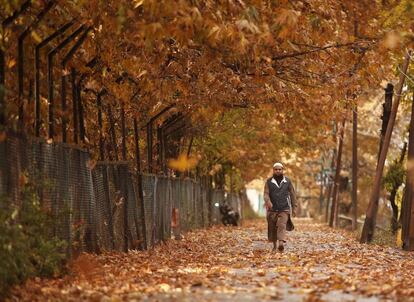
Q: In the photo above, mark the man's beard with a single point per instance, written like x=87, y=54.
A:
x=278, y=177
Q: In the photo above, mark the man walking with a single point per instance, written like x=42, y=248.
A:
x=280, y=201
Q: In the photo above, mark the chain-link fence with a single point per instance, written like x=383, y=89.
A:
x=60, y=176
x=97, y=206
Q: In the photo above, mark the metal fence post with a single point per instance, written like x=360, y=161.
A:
x=50, y=58
x=38, y=47
x=140, y=187
x=20, y=58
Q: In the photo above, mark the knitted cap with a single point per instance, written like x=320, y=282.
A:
x=278, y=165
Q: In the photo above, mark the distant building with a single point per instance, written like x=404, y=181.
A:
x=256, y=200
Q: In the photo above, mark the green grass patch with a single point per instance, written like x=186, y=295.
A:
x=27, y=248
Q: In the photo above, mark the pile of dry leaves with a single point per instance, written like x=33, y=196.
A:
x=226, y=263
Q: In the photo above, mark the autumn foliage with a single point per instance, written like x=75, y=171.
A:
x=283, y=69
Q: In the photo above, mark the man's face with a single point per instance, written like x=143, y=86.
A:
x=277, y=171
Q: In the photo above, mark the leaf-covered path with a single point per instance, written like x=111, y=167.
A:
x=236, y=264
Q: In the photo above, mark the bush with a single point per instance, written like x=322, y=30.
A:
x=385, y=238
x=27, y=248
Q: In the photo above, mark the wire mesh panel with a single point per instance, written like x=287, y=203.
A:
x=184, y=197
x=164, y=209
x=140, y=212
x=104, y=226
x=63, y=181
x=188, y=204
x=60, y=175
x=196, y=205
x=83, y=206
x=57, y=184
x=193, y=205
x=205, y=206
x=175, y=206
x=167, y=213
x=158, y=209
x=133, y=204
x=117, y=186
x=199, y=206
x=12, y=164
x=149, y=187
x=119, y=219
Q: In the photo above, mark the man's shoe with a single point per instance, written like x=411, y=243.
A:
x=281, y=247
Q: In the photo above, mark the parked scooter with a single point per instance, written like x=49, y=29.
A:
x=228, y=215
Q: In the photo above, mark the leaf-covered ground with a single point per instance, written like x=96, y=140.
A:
x=236, y=264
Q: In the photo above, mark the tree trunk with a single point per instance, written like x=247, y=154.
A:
x=328, y=201
x=74, y=106
x=2, y=89
x=81, y=112
x=100, y=124
x=371, y=214
x=124, y=133
x=162, y=154
x=333, y=220
x=137, y=149
x=329, y=189
x=64, y=107
x=149, y=146
x=50, y=95
x=321, y=199
x=161, y=149
x=386, y=112
x=355, y=167
x=140, y=185
x=37, y=91
x=113, y=132
x=408, y=202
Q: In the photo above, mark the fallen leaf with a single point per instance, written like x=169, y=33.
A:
x=183, y=163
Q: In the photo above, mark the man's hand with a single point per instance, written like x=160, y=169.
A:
x=268, y=205
x=293, y=213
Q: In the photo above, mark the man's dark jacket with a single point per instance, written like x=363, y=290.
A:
x=282, y=196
